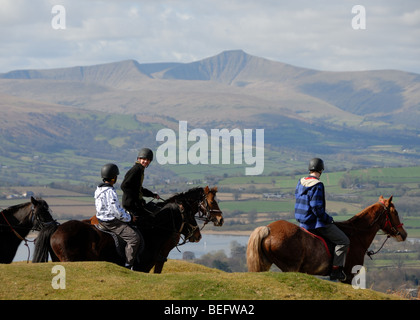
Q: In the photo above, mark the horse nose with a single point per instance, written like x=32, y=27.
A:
x=196, y=238
x=221, y=220
x=402, y=234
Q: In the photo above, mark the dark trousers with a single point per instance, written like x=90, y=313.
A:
x=129, y=235
x=339, y=238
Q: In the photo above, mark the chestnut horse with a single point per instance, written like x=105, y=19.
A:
x=293, y=249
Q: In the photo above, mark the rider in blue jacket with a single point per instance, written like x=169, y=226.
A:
x=310, y=213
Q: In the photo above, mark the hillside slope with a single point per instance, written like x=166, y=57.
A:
x=105, y=111
x=179, y=281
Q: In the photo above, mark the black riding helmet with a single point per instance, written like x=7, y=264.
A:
x=145, y=153
x=316, y=164
x=109, y=171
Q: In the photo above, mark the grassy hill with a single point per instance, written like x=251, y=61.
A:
x=179, y=281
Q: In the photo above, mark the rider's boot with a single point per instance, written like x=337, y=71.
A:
x=338, y=273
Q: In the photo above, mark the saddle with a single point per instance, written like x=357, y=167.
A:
x=119, y=242
x=329, y=246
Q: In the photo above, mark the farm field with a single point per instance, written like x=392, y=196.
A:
x=248, y=201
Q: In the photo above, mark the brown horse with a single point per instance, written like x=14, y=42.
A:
x=82, y=241
x=292, y=249
x=200, y=201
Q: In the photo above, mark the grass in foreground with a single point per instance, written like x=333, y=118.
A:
x=179, y=280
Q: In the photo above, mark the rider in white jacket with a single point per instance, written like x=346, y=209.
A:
x=107, y=205
x=112, y=216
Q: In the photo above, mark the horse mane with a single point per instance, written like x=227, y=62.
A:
x=350, y=223
x=185, y=195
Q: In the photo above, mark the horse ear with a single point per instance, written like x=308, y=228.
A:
x=206, y=189
x=381, y=198
x=34, y=201
x=214, y=189
x=390, y=199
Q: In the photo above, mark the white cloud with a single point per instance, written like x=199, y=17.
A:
x=303, y=32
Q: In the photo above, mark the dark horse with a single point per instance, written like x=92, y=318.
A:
x=293, y=249
x=17, y=221
x=82, y=241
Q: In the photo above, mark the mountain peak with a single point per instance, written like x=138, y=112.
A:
x=223, y=67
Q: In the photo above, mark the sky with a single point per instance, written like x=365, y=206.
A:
x=328, y=35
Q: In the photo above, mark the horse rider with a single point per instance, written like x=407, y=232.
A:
x=112, y=217
x=133, y=190
x=310, y=213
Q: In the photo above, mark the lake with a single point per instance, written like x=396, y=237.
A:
x=209, y=243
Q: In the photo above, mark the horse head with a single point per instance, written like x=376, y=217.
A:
x=209, y=208
x=389, y=220
x=40, y=214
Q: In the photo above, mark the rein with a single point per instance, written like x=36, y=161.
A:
x=183, y=223
x=370, y=253
x=387, y=223
x=33, y=217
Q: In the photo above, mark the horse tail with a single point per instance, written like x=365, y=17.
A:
x=255, y=257
x=42, y=243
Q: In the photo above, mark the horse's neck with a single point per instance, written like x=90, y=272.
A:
x=23, y=217
x=362, y=227
x=190, y=199
x=19, y=221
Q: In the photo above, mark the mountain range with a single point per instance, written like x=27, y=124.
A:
x=300, y=109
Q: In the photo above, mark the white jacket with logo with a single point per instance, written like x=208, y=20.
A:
x=107, y=205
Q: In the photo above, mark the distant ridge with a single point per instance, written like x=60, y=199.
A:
x=110, y=73
x=230, y=80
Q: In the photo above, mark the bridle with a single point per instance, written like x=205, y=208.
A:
x=386, y=224
x=184, y=222
x=205, y=213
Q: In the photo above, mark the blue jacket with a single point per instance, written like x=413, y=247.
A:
x=310, y=204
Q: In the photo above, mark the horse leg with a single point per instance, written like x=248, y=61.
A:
x=8, y=248
x=355, y=257
x=163, y=253
x=284, y=249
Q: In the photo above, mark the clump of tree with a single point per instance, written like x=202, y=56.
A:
x=236, y=262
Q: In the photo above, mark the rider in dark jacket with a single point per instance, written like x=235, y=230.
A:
x=132, y=185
